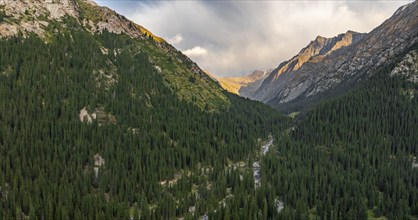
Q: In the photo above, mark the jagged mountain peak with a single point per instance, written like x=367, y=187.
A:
x=318, y=48
x=314, y=52
x=326, y=62
x=320, y=38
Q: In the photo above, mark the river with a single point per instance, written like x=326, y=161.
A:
x=256, y=172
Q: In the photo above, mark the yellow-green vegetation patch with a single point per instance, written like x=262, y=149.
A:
x=187, y=84
x=6, y=70
x=293, y=114
x=132, y=212
x=409, y=92
x=371, y=216
x=149, y=34
x=88, y=11
x=313, y=214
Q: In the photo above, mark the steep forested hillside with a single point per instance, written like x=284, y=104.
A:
x=100, y=119
x=93, y=134
x=48, y=18
x=352, y=157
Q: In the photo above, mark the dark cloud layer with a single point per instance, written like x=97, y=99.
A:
x=236, y=37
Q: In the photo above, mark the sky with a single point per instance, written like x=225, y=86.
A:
x=236, y=37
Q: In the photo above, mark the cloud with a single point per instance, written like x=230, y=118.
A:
x=197, y=51
x=176, y=39
x=237, y=37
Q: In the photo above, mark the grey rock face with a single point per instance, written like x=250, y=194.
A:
x=315, y=52
x=249, y=90
x=408, y=67
x=34, y=16
x=326, y=62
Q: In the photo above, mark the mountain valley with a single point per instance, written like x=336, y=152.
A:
x=102, y=119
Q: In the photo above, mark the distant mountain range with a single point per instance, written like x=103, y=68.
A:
x=327, y=66
x=244, y=85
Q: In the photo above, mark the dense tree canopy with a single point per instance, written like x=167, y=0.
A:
x=143, y=131
x=352, y=154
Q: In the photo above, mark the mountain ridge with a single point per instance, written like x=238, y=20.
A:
x=45, y=19
x=314, y=52
x=315, y=72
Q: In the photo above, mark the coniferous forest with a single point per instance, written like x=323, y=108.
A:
x=143, y=132
x=351, y=157
x=141, y=152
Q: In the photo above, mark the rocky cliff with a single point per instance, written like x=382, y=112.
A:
x=326, y=63
x=315, y=52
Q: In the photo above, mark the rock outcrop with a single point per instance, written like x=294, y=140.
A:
x=98, y=162
x=408, y=67
x=39, y=11
x=35, y=16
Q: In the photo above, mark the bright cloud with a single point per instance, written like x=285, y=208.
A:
x=237, y=37
x=197, y=51
x=176, y=39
